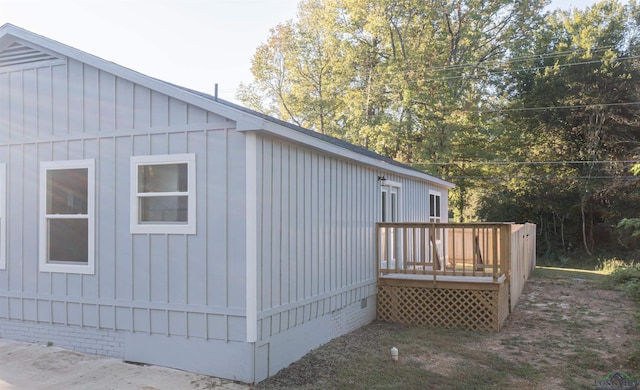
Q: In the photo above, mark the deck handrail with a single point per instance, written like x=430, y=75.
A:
x=444, y=249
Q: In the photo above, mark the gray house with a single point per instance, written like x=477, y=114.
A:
x=156, y=224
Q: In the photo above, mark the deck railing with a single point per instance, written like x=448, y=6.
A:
x=456, y=249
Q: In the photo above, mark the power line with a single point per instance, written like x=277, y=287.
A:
x=543, y=56
x=561, y=107
x=502, y=71
x=529, y=162
x=509, y=177
x=544, y=108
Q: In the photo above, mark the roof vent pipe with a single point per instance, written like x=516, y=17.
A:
x=215, y=93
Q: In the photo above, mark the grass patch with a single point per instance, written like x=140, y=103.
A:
x=570, y=273
x=626, y=277
x=553, y=339
x=432, y=358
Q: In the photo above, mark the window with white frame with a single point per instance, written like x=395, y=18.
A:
x=3, y=216
x=389, y=201
x=434, y=207
x=67, y=222
x=163, y=195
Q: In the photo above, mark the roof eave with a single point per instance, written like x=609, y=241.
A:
x=279, y=130
x=245, y=121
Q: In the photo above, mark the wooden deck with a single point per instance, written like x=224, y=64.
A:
x=452, y=275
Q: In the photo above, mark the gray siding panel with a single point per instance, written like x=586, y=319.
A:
x=123, y=246
x=30, y=103
x=107, y=100
x=106, y=209
x=316, y=271
x=5, y=106
x=176, y=258
x=91, y=98
x=197, y=261
x=16, y=109
x=157, y=267
x=315, y=218
x=177, y=112
x=140, y=269
x=236, y=222
x=124, y=104
x=142, y=107
x=159, y=109
x=44, y=102
x=216, y=218
x=311, y=264
x=59, y=93
x=75, y=74
x=15, y=218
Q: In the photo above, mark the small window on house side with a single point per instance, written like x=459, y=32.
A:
x=434, y=207
x=163, y=194
x=384, y=206
x=3, y=216
x=67, y=222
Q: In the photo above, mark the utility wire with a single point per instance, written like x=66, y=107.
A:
x=528, y=162
x=508, y=177
x=560, y=54
x=544, y=108
x=502, y=71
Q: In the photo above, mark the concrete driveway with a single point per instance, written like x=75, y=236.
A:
x=36, y=367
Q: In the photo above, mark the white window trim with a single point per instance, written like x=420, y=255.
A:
x=389, y=187
x=168, y=228
x=434, y=218
x=3, y=216
x=46, y=266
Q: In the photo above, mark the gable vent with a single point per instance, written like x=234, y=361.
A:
x=18, y=54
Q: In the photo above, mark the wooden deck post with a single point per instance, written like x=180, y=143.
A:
x=506, y=243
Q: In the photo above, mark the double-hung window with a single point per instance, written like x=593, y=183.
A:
x=67, y=222
x=163, y=196
x=434, y=207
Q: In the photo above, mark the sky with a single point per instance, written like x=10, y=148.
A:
x=192, y=43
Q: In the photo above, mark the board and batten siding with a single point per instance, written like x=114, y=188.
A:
x=315, y=214
x=316, y=243
x=183, y=300
x=190, y=286
x=414, y=199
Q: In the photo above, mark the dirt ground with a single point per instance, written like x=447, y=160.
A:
x=565, y=333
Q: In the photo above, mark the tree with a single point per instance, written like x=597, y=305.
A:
x=405, y=78
x=576, y=102
x=632, y=223
x=533, y=116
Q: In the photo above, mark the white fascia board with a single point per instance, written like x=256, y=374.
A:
x=299, y=137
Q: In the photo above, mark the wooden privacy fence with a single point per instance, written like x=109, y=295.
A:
x=523, y=258
x=452, y=274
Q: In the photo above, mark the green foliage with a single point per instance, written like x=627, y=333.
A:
x=400, y=78
x=573, y=104
x=627, y=278
x=455, y=87
x=631, y=223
